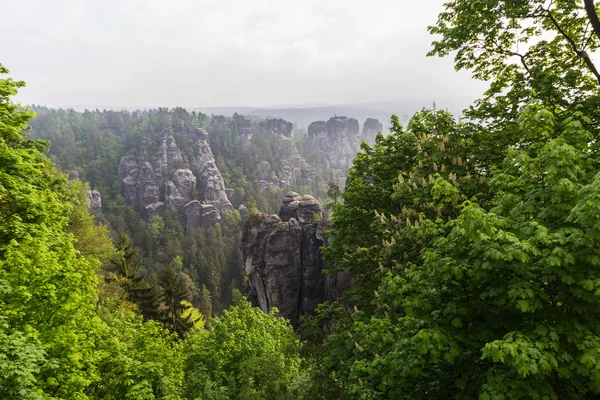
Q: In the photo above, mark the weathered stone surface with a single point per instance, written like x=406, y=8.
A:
x=178, y=191
x=294, y=168
x=210, y=215
x=283, y=262
x=371, y=128
x=168, y=178
x=244, y=127
x=279, y=126
x=305, y=209
x=154, y=209
x=317, y=128
x=198, y=215
x=95, y=201
x=208, y=177
x=233, y=198
x=334, y=144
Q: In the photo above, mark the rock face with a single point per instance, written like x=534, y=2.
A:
x=283, y=262
x=334, y=144
x=370, y=129
x=294, y=168
x=95, y=201
x=169, y=179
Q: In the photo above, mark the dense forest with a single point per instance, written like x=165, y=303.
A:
x=90, y=145
x=472, y=241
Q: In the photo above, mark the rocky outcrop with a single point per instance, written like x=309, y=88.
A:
x=370, y=129
x=294, y=168
x=278, y=125
x=95, y=201
x=334, y=144
x=170, y=179
x=283, y=262
x=198, y=215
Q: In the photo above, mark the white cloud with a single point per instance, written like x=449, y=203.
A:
x=225, y=52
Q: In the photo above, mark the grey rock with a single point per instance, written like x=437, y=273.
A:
x=294, y=167
x=167, y=179
x=95, y=201
x=371, y=128
x=154, y=209
x=243, y=210
x=244, y=128
x=263, y=167
x=233, y=198
x=278, y=126
x=305, y=209
x=334, y=144
x=72, y=174
x=283, y=262
x=178, y=191
x=198, y=215
x=317, y=128
x=210, y=215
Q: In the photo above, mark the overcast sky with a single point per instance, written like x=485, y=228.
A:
x=225, y=52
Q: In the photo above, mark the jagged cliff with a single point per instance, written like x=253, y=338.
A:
x=371, y=128
x=294, y=169
x=282, y=259
x=334, y=144
x=174, y=180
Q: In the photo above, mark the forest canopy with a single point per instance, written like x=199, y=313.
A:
x=472, y=242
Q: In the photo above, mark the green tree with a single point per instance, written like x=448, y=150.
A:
x=125, y=272
x=205, y=302
x=527, y=50
x=502, y=300
x=247, y=355
x=334, y=193
x=136, y=360
x=48, y=291
x=175, y=295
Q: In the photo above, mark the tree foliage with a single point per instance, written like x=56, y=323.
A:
x=247, y=355
x=473, y=243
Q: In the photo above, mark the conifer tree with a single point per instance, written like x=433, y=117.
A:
x=175, y=298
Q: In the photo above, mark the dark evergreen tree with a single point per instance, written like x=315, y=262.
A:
x=174, y=293
x=126, y=271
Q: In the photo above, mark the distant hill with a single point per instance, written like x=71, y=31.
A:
x=304, y=115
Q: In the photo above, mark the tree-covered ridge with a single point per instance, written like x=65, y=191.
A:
x=91, y=145
x=70, y=301
x=473, y=244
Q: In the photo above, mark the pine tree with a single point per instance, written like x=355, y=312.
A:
x=126, y=267
x=175, y=294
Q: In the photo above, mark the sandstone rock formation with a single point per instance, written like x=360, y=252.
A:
x=170, y=179
x=294, y=168
x=95, y=201
x=283, y=262
x=334, y=144
x=370, y=129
